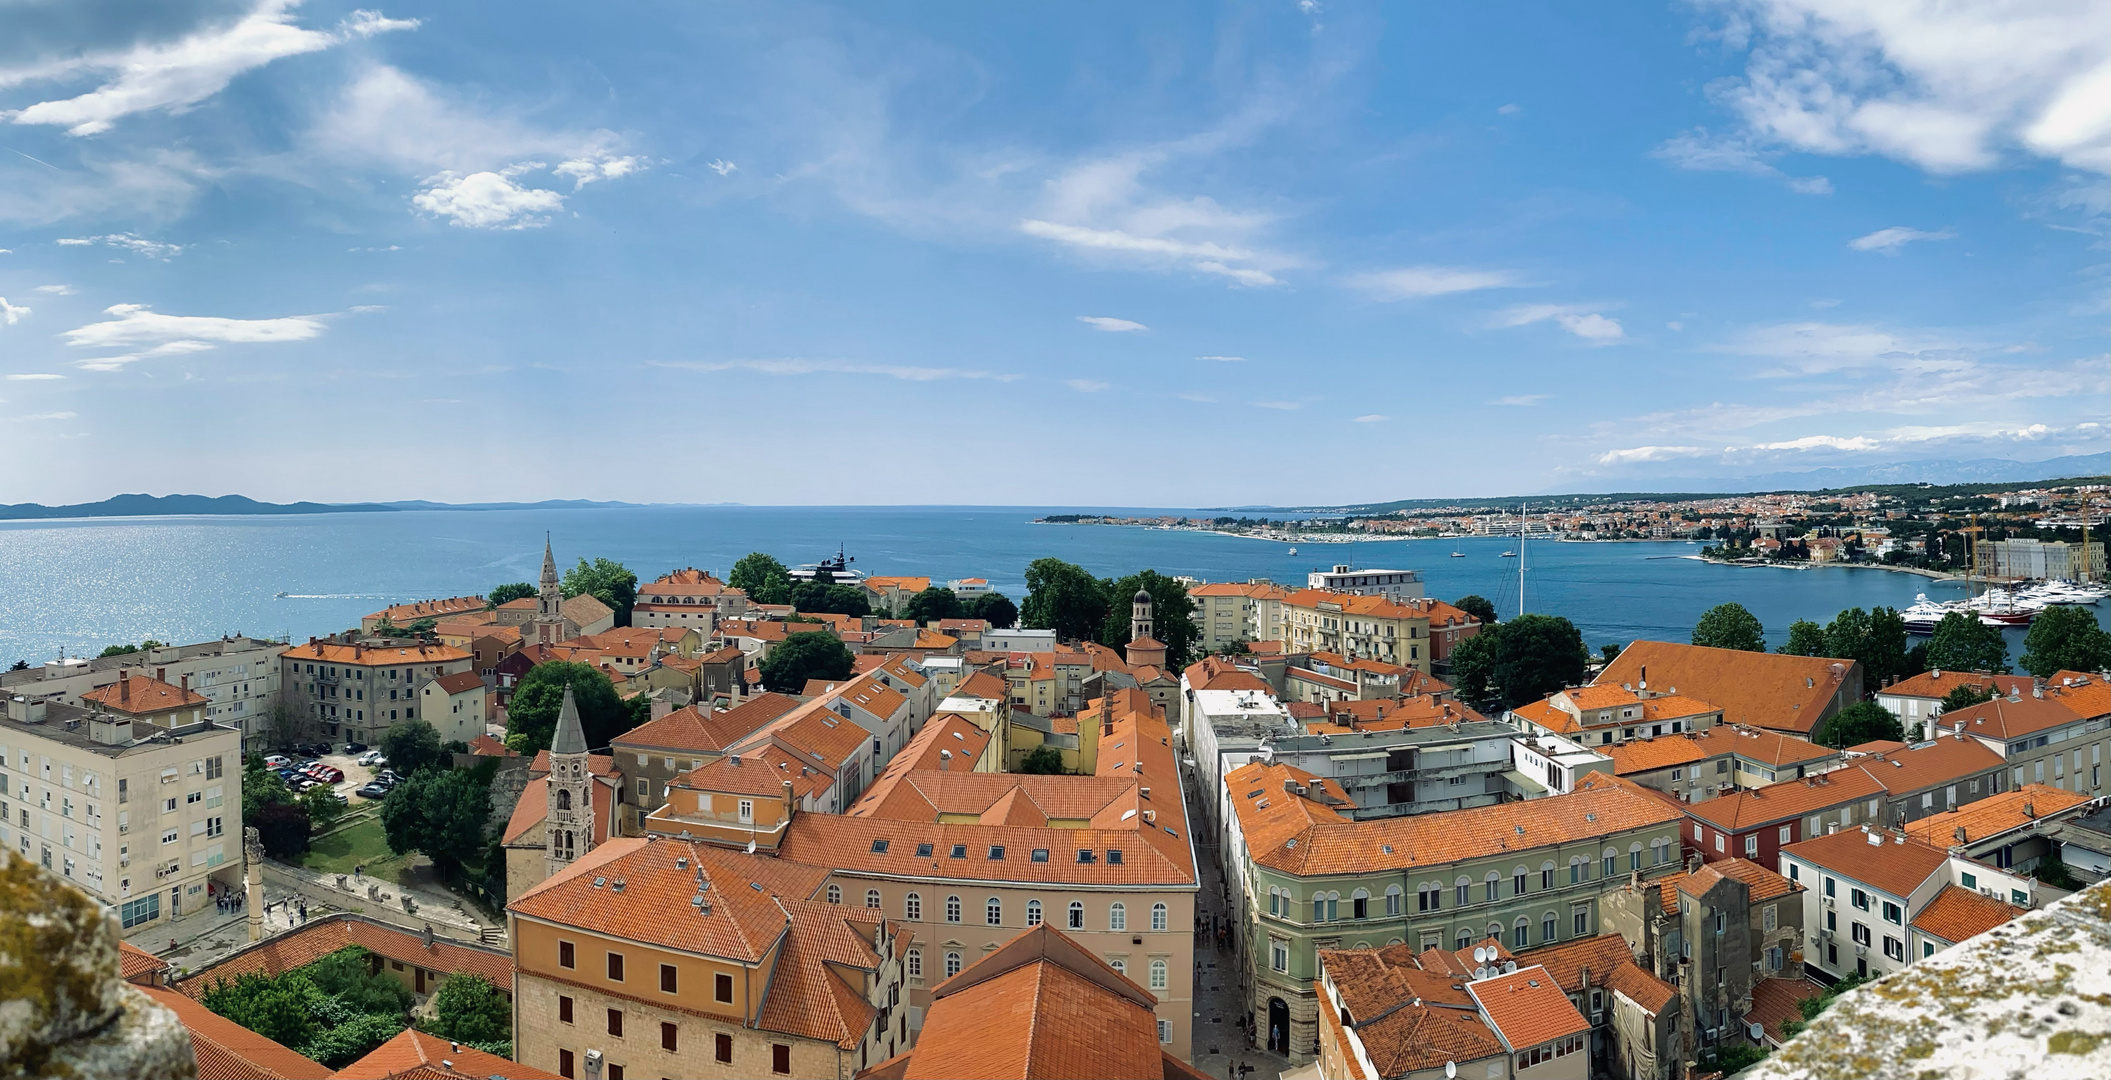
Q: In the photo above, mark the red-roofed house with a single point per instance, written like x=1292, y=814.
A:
x=1867, y=890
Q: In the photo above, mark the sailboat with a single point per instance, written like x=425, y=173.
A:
x=1455, y=552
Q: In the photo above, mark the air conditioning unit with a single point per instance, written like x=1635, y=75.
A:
x=1597, y=1017
x=1711, y=1033
x=1861, y=949
x=1829, y=902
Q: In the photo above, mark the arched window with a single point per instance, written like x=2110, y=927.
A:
x=1546, y=874
x=1393, y=896
x=994, y=912
x=913, y=907
x=1579, y=869
x=1158, y=914
x=1494, y=883
x=872, y=898
x=1396, y=941
x=915, y=963
x=1118, y=916
x=1521, y=934
x=1464, y=887
x=1120, y=966
x=1077, y=915
x=1033, y=913
x=1495, y=932
x=835, y=894
x=1612, y=862
x=564, y=799
x=952, y=964
x=1546, y=928
x=1465, y=939
x=952, y=909
x=1634, y=855
x=1158, y=974
x=1429, y=896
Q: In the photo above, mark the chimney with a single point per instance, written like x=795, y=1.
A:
x=789, y=802
x=124, y=688
x=945, y=760
x=1645, y=677
x=186, y=684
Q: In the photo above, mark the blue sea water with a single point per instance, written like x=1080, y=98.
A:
x=78, y=585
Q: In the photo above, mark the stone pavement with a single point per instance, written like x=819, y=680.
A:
x=204, y=937
x=1221, y=1046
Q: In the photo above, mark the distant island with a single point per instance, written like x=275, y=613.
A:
x=239, y=505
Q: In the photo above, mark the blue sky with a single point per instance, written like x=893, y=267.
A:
x=1087, y=253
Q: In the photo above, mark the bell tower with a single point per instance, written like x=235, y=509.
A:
x=568, y=825
x=549, y=604
x=1140, y=615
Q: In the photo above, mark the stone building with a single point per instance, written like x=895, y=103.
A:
x=352, y=691
x=1716, y=930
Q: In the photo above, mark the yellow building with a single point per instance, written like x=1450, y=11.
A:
x=1357, y=627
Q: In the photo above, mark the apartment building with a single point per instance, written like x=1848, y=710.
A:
x=143, y=816
x=1604, y=714
x=455, y=705
x=1394, y=758
x=1367, y=627
x=1776, y=691
x=1716, y=930
x=667, y=957
x=419, y=610
x=2015, y=829
x=2055, y=734
x=1224, y=729
x=653, y=754
x=1919, y=699
x=1722, y=759
x=687, y=598
x=1230, y=613
x=1865, y=890
x=237, y=676
x=1305, y=877
x=353, y=691
x=1390, y=584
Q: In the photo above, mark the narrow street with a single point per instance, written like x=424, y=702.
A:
x=1221, y=1046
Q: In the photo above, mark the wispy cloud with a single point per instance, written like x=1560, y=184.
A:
x=1224, y=359
x=585, y=170
x=32, y=376
x=1700, y=151
x=1890, y=241
x=796, y=366
x=1579, y=320
x=11, y=313
x=1638, y=454
x=170, y=335
x=51, y=416
x=175, y=75
x=1415, y=282
x=1520, y=399
x=137, y=245
x=56, y=290
x=1372, y=418
x=1085, y=386
x=1111, y=324
x=1286, y=406
x=1207, y=257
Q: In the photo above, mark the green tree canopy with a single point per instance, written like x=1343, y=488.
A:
x=1478, y=606
x=261, y=788
x=820, y=597
x=1963, y=643
x=1863, y=721
x=810, y=654
x=274, y=1007
x=467, y=1008
x=994, y=608
x=1876, y=638
x=1172, y=615
x=283, y=829
x=2065, y=639
x=1730, y=626
x=531, y=719
x=1065, y=598
x=439, y=814
x=1043, y=760
x=506, y=594
x=762, y=577
x=411, y=746
x=1519, y=661
x=122, y=650
x=347, y=975
x=606, y=580
x=1964, y=697
x=933, y=604
x=324, y=807
x=1805, y=638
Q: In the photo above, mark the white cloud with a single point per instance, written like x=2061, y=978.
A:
x=1207, y=257
x=1085, y=386
x=172, y=335
x=1810, y=185
x=1224, y=359
x=1580, y=321
x=1520, y=399
x=1674, y=326
x=1820, y=442
x=1947, y=87
x=1111, y=325
x=1509, y=110
x=175, y=75
x=585, y=170
x=1372, y=418
x=11, y=313
x=33, y=376
x=56, y=290
x=796, y=366
x=137, y=245
x=721, y=167
x=51, y=416
x=1824, y=302
x=1636, y=454
x=1415, y=282
x=118, y=362
x=1890, y=241
x=1702, y=152
x=1286, y=406
x=487, y=200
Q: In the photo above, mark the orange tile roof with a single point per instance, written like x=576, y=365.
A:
x=903, y=583
x=1939, y=684
x=1390, y=714
x=324, y=935
x=1675, y=707
x=1652, y=994
x=533, y=808
x=140, y=695
x=1895, y=863
x=1568, y=961
x=1527, y=1008
x=226, y=1050
x=1336, y=847
x=429, y=609
x=1769, y=690
x=375, y=656
x=809, y=992
x=1775, y=748
x=1876, y=746
x=1778, y=1001
x=695, y=730
x=1547, y=715
x=2086, y=694
x=1761, y=884
x=1994, y=815
x=1647, y=755
x=659, y=875
x=1600, y=696
x=1409, y=1018
x=461, y=682
x=1958, y=913
x=1371, y=607
x=135, y=964
x=2005, y=719
x=1780, y=801
x=414, y=1055
x=1217, y=673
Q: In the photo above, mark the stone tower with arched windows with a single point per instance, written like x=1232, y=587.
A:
x=1144, y=650
x=549, y=605
x=568, y=829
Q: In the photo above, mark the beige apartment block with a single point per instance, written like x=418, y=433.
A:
x=352, y=691
x=237, y=676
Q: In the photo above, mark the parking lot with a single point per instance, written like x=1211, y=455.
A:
x=356, y=775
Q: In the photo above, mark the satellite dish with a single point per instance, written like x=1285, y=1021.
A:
x=1451, y=1070
x=1509, y=967
x=1480, y=954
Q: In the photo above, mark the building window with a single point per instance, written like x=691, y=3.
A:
x=615, y=967
x=615, y=1022
x=1033, y=913
x=953, y=909
x=1768, y=920
x=722, y=987
x=564, y=1063
x=1892, y=913
x=667, y=978
x=915, y=963
x=1521, y=934
x=780, y=1059
x=913, y=907
x=952, y=964
x=993, y=912
x=835, y=894
x=1894, y=948
x=564, y=1010
x=1158, y=916
x=667, y=1036
x=1118, y=916
x=565, y=956
x=1782, y=836
x=872, y=898
x=722, y=1048
x=1158, y=974
x=1077, y=915
x=747, y=811
x=1546, y=929
x=1165, y=1031
x=1583, y=921
x=1279, y=955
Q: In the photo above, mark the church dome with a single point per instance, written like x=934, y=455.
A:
x=1143, y=596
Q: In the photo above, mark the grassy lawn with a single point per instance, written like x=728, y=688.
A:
x=364, y=843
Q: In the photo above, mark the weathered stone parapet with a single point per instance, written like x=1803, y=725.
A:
x=65, y=1010
x=2028, y=999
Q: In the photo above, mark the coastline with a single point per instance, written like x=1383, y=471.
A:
x=1933, y=575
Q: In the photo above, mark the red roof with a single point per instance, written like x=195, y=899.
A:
x=226, y=1050
x=327, y=934
x=1958, y=913
x=1527, y=1008
x=414, y=1055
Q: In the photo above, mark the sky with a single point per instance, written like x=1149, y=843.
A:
x=1082, y=254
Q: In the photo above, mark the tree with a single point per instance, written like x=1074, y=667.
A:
x=323, y=805
x=1805, y=638
x=1477, y=606
x=1962, y=643
x=810, y=654
x=532, y=717
x=932, y=604
x=1730, y=626
x=440, y=814
x=1473, y=666
x=1876, y=638
x=1172, y=615
x=1609, y=651
x=467, y=1008
x=282, y=722
x=1519, y=661
x=994, y=608
x=276, y=1008
x=348, y=976
x=2065, y=639
x=1863, y=721
x=762, y=577
x=1043, y=760
x=506, y=594
x=261, y=788
x=412, y=746
x=1065, y=598
x=1964, y=697
x=283, y=830
x=606, y=580
x=2052, y=870
x=828, y=598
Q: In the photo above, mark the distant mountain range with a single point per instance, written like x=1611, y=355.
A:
x=1975, y=471
x=234, y=505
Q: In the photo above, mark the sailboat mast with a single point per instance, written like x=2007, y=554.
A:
x=1521, y=510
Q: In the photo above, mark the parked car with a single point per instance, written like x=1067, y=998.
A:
x=371, y=757
x=374, y=790
x=277, y=761
x=303, y=783
x=355, y=747
x=288, y=775
x=330, y=774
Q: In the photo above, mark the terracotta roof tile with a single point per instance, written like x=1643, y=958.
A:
x=808, y=995
x=1379, y=987
x=1777, y=1001
x=461, y=682
x=1958, y=913
x=226, y=1050
x=1654, y=995
x=1647, y=755
x=1769, y=690
x=699, y=729
x=1939, y=684
x=376, y=656
x=1527, y=1007
x=140, y=695
x=1893, y=863
x=2005, y=719
x=414, y=1054
x=1994, y=814
x=737, y=921
x=1775, y=748
x=1567, y=961
x=429, y=609
x=137, y=965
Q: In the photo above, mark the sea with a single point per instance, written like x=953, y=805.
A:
x=75, y=586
